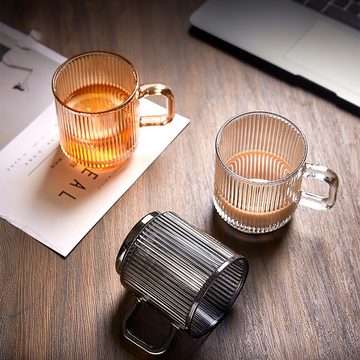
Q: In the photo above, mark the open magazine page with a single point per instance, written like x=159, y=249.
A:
x=52, y=199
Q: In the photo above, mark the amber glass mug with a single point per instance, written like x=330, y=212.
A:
x=259, y=168
x=97, y=103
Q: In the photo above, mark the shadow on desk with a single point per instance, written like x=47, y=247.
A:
x=249, y=245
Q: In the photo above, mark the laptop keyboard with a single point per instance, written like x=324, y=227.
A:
x=345, y=11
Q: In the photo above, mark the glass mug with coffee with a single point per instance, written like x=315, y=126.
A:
x=259, y=168
x=97, y=103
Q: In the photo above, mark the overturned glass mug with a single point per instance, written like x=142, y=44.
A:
x=186, y=275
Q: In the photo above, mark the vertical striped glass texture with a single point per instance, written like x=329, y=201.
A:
x=97, y=108
x=187, y=275
x=259, y=164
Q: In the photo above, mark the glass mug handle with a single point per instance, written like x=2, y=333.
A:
x=326, y=175
x=150, y=349
x=158, y=89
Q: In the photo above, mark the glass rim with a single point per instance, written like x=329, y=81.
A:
x=86, y=54
x=260, y=181
x=208, y=284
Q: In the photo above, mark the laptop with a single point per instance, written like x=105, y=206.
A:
x=306, y=38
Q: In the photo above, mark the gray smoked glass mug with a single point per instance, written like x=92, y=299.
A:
x=190, y=278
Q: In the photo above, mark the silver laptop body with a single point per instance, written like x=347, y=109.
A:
x=291, y=36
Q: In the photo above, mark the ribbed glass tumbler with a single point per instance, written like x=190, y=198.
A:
x=97, y=102
x=185, y=274
x=259, y=167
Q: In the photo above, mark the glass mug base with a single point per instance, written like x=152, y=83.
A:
x=101, y=161
x=238, y=224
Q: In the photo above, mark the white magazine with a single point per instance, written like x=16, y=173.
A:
x=41, y=191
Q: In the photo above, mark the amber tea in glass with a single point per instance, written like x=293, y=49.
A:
x=97, y=102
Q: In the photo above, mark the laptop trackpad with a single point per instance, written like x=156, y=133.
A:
x=315, y=52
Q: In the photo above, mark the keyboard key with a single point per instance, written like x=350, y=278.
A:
x=354, y=8
x=343, y=16
x=317, y=4
x=341, y=3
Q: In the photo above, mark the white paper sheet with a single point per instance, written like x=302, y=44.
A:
x=52, y=199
